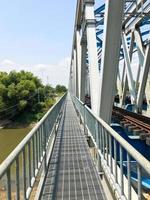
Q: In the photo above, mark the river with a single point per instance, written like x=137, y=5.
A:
x=9, y=139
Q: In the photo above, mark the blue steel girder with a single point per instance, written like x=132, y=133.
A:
x=99, y=32
x=99, y=15
x=99, y=10
x=100, y=22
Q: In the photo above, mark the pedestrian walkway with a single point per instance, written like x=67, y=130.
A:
x=71, y=174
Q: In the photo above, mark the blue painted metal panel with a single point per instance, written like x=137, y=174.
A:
x=141, y=147
x=100, y=9
x=138, y=144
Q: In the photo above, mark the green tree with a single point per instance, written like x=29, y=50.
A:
x=2, y=103
x=60, y=89
x=23, y=94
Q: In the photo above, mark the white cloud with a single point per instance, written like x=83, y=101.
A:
x=7, y=62
x=49, y=73
x=7, y=65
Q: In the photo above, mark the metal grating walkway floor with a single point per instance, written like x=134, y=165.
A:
x=71, y=174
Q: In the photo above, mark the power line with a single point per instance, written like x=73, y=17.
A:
x=2, y=110
x=8, y=113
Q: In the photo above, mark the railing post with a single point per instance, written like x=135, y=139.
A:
x=17, y=180
x=129, y=175
x=29, y=163
x=115, y=157
x=33, y=158
x=44, y=147
x=110, y=153
x=139, y=182
x=8, y=184
x=84, y=117
x=100, y=169
x=24, y=172
x=36, y=145
x=121, y=170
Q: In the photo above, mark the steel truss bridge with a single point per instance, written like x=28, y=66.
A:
x=110, y=55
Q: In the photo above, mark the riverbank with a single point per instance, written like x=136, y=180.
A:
x=9, y=124
x=17, y=125
x=4, y=123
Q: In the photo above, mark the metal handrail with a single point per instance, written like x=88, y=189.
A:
x=104, y=138
x=131, y=150
x=35, y=143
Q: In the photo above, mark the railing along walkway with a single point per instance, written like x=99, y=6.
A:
x=71, y=172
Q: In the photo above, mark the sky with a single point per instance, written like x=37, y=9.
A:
x=37, y=36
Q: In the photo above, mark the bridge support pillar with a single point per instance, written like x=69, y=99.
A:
x=78, y=61
x=83, y=70
x=92, y=54
x=110, y=56
x=75, y=74
x=70, y=80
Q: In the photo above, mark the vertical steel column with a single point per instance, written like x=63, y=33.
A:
x=110, y=56
x=78, y=60
x=74, y=73
x=145, y=70
x=87, y=86
x=92, y=54
x=72, y=78
x=83, y=69
x=70, y=86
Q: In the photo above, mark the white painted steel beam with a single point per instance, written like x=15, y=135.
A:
x=145, y=70
x=125, y=85
x=123, y=75
x=83, y=70
x=119, y=84
x=110, y=56
x=74, y=73
x=92, y=54
x=137, y=77
x=139, y=45
x=70, y=80
x=78, y=61
x=133, y=9
x=130, y=26
x=128, y=69
x=147, y=91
